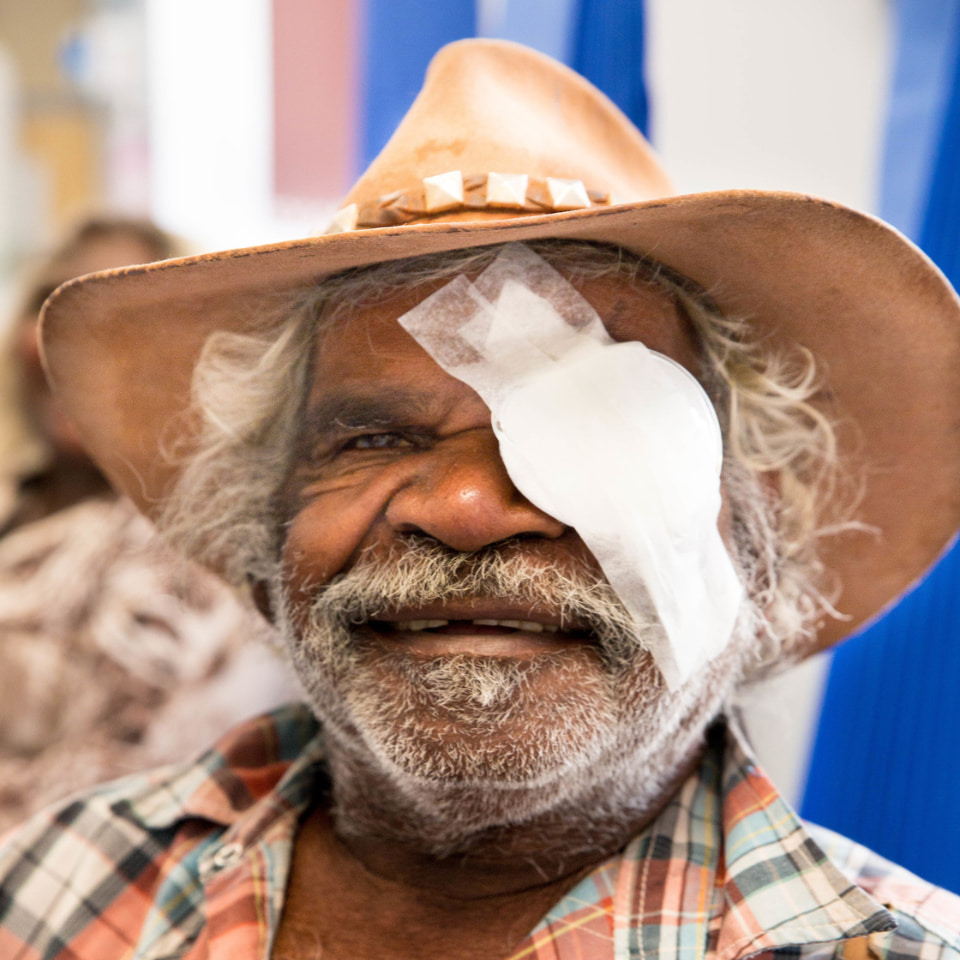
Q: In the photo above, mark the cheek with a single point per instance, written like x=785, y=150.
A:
x=312, y=548
x=319, y=544
x=329, y=531
x=316, y=548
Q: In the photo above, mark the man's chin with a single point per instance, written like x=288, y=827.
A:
x=477, y=720
x=470, y=744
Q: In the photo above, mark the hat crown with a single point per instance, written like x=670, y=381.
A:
x=495, y=106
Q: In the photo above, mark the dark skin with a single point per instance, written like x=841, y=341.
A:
x=392, y=446
x=367, y=913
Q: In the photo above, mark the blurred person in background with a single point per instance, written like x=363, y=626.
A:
x=114, y=654
x=43, y=465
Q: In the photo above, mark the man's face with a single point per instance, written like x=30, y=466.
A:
x=482, y=643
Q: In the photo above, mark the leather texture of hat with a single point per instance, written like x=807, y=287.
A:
x=505, y=144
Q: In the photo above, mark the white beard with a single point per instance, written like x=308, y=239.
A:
x=466, y=744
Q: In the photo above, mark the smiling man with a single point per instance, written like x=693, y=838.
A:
x=531, y=464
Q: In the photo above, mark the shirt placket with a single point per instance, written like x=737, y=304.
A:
x=244, y=884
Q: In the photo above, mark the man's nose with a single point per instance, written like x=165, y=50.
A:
x=463, y=497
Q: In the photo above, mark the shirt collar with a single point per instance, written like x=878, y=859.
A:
x=273, y=756
x=727, y=866
x=782, y=889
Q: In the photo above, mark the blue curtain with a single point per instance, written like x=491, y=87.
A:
x=399, y=39
x=545, y=25
x=925, y=61
x=607, y=47
x=940, y=231
x=885, y=768
x=602, y=39
x=886, y=764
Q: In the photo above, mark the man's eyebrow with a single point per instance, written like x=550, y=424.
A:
x=357, y=411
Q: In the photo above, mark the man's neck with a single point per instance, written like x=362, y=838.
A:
x=386, y=889
x=468, y=842
x=376, y=903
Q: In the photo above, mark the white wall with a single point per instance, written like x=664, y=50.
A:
x=772, y=94
x=211, y=123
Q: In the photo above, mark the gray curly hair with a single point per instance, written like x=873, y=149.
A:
x=780, y=450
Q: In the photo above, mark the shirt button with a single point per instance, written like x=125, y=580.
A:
x=226, y=856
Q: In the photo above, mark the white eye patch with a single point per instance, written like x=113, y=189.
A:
x=615, y=440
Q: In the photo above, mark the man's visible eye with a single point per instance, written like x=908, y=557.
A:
x=378, y=441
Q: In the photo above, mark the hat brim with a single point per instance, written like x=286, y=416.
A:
x=882, y=322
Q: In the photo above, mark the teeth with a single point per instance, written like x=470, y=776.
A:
x=529, y=626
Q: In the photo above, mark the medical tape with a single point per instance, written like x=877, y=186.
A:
x=612, y=439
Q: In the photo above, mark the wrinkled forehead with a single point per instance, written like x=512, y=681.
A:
x=362, y=338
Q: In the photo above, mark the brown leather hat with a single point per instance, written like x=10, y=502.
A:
x=504, y=144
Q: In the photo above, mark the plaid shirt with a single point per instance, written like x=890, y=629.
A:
x=192, y=862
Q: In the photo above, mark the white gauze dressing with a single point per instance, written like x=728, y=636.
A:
x=613, y=439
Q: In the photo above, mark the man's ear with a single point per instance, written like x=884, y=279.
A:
x=260, y=593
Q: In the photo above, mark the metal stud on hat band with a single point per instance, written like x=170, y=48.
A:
x=443, y=192
x=567, y=194
x=453, y=190
x=507, y=190
x=345, y=220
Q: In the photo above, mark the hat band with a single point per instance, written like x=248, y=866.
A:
x=452, y=191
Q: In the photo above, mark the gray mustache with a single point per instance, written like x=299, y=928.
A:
x=423, y=571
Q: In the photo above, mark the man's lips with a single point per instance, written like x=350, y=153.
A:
x=472, y=626
x=488, y=631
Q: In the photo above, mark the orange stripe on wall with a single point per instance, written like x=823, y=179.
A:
x=316, y=97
